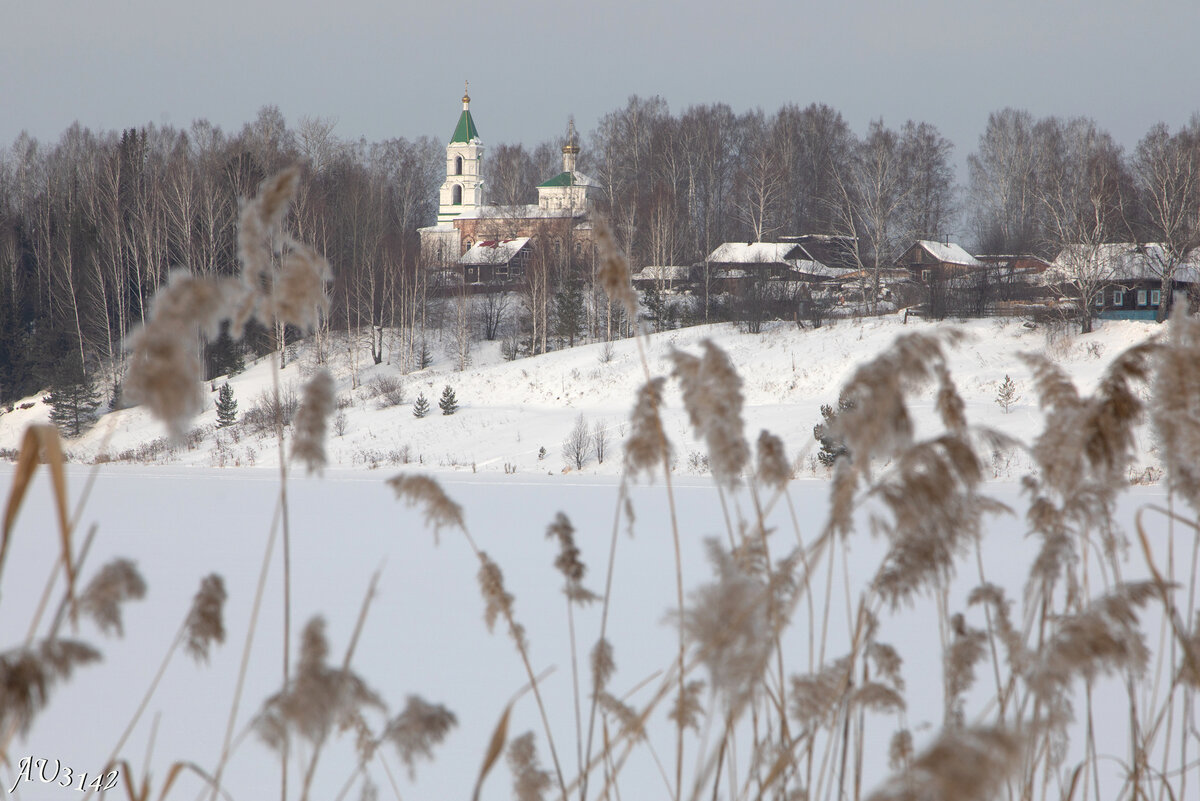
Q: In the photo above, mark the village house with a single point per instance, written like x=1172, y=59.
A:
x=1127, y=277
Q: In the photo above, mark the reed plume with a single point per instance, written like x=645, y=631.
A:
x=603, y=665
x=205, y=622
x=729, y=622
x=1102, y=638
x=647, y=446
x=498, y=602
x=117, y=582
x=568, y=562
x=961, y=765
x=530, y=782
x=317, y=404
x=712, y=396
x=317, y=699
x=28, y=675
x=417, y=729
x=935, y=515
x=613, y=272
x=967, y=648
x=426, y=492
x=1175, y=404
x=815, y=697
x=773, y=468
x=164, y=362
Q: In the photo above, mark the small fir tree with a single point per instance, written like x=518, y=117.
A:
x=1007, y=394
x=226, y=407
x=448, y=403
x=424, y=356
x=656, y=306
x=421, y=407
x=831, y=447
x=73, y=399
x=223, y=356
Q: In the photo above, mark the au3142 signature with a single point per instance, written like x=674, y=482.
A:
x=53, y=771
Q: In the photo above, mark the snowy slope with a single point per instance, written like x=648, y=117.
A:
x=425, y=633
x=511, y=410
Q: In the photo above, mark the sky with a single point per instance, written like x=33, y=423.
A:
x=388, y=68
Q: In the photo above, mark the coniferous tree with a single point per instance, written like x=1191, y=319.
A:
x=1007, y=394
x=424, y=356
x=226, y=407
x=831, y=447
x=421, y=406
x=448, y=403
x=656, y=306
x=223, y=356
x=73, y=399
x=569, y=312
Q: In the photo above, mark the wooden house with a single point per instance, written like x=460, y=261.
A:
x=1130, y=276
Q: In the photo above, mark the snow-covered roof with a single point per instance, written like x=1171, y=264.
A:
x=492, y=251
x=521, y=212
x=817, y=269
x=663, y=272
x=949, y=253
x=1123, y=261
x=752, y=253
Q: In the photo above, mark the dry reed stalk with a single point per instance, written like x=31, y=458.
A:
x=203, y=625
x=41, y=444
x=245, y=661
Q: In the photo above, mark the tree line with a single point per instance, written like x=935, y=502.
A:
x=91, y=225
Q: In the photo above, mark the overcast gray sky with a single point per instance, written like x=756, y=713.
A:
x=387, y=68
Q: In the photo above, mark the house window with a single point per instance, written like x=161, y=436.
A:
x=1155, y=297
x=1118, y=297
x=1141, y=297
x=456, y=196
x=926, y=275
x=1099, y=300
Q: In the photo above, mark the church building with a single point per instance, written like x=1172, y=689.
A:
x=475, y=243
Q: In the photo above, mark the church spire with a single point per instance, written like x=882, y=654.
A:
x=465, y=130
x=570, y=149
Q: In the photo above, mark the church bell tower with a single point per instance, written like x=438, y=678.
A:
x=463, y=188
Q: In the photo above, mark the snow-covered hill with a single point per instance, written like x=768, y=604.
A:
x=510, y=411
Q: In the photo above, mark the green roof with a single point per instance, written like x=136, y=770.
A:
x=562, y=179
x=465, y=130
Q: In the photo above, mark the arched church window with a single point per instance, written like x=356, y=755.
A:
x=458, y=165
x=456, y=196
